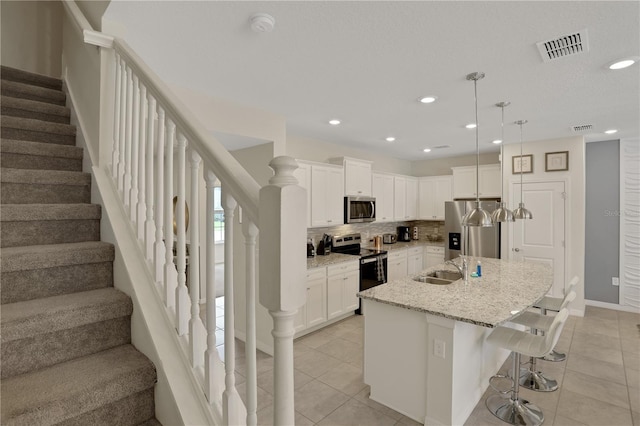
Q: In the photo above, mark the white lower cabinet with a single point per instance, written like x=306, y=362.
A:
x=433, y=256
x=343, y=284
x=396, y=264
x=314, y=312
x=415, y=260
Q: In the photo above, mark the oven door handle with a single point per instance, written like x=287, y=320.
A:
x=372, y=259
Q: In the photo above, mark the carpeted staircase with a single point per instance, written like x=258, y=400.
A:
x=66, y=353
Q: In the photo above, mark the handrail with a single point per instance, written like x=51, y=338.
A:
x=240, y=183
x=79, y=20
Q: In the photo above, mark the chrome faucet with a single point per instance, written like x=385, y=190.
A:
x=463, y=268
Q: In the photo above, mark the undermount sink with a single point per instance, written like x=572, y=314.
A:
x=432, y=280
x=445, y=275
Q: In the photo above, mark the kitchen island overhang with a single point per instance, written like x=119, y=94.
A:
x=425, y=353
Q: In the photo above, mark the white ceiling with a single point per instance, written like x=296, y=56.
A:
x=367, y=63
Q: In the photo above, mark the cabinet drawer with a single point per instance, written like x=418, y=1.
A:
x=415, y=251
x=342, y=268
x=315, y=273
x=438, y=250
x=397, y=254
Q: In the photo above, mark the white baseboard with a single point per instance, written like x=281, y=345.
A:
x=614, y=306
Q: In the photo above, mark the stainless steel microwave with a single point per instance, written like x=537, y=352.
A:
x=359, y=209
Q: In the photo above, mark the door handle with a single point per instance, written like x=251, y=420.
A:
x=516, y=249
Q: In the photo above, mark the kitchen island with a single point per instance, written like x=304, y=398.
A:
x=425, y=354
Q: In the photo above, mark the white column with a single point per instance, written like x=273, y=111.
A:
x=283, y=271
x=135, y=148
x=250, y=232
x=115, y=157
x=210, y=385
x=167, y=207
x=127, y=141
x=149, y=225
x=142, y=163
x=230, y=394
x=194, y=262
x=161, y=169
x=122, y=131
x=182, y=294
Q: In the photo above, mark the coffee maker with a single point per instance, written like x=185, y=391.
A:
x=403, y=233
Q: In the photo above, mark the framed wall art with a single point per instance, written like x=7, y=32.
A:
x=522, y=164
x=556, y=161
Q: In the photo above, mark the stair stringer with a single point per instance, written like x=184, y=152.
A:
x=179, y=398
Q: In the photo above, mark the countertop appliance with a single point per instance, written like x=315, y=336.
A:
x=359, y=209
x=389, y=238
x=324, y=246
x=480, y=241
x=373, y=262
x=404, y=234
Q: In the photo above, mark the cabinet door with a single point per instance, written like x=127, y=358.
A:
x=350, y=289
x=334, y=295
x=303, y=174
x=433, y=256
x=316, y=306
x=397, y=264
x=383, y=192
x=357, y=178
x=399, y=198
x=443, y=193
x=414, y=260
x=327, y=200
x=411, y=197
x=490, y=180
x=464, y=182
x=335, y=199
x=427, y=198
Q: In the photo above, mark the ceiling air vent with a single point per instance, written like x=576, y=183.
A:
x=567, y=45
x=441, y=147
x=582, y=128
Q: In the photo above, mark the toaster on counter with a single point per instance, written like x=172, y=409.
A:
x=389, y=238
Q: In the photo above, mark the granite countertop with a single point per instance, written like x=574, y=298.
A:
x=505, y=288
x=413, y=243
x=330, y=259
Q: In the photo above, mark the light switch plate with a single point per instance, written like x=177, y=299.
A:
x=439, y=348
x=615, y=281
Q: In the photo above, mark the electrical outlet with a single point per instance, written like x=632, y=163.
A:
x=615, y=281
x=439, y=348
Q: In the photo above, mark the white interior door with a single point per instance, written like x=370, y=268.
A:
x=541, y=239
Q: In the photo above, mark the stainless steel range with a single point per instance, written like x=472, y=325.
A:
x=373, y=263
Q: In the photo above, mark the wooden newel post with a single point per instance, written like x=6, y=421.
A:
x=283, y=232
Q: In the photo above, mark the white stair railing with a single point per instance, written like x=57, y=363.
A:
x=155, y=145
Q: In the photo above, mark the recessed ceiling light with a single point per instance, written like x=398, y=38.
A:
x=471, y=126
x=428, y=99
x=623, y=63
x=497, y=141
x=611, y=131
x=427, y=150
x=334, y=122
x=390, y=139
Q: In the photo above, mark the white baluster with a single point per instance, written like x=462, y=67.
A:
x=115, y=158
x=135, y=151
x=182, y=294
x=250, y=232
x=142, y=175
x=210, y=385
x=230, y=394
x=169, y=267
x=149, y=227
x=124, y=77
x=282, y=274
x=194, y=262
x=161, y=170
x=127, y=142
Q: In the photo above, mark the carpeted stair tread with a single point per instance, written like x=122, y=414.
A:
x=35, y=93
x=40, y=156
x=14, y=74
x=150, y=422
x=44, y=177
x=36, y=186
x=55, y=255
x=136, y=409
x=23, y=320
x=29, y=129
x=67, y=390
x=26, y=108
x=31, y=212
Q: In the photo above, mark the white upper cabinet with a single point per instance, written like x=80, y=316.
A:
x=357, y=176
x=382, y=186
x=464, y=181
x=405, y=198
x=303, y=174
x=433, y=191
x=327, y=200
x=411, y=196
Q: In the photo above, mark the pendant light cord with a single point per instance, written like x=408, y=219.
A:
x=502, y=158
x=521, y=162
x=475, y=92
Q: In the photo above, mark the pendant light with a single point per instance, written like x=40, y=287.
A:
x=521, y=212
x=502, y=213
x=478, y=216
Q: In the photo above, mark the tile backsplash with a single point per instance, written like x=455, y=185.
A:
x=369, y=230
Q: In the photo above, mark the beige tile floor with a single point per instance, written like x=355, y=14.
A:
x=599, y=382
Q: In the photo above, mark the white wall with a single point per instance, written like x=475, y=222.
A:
x=442, y=166
x=93, y=11
x=575, y=202
x=32, y=36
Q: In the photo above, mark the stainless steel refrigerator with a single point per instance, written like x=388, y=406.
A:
x=479, y=241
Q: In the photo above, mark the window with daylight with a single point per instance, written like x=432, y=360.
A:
x=218, y=216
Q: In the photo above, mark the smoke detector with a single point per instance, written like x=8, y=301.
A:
x=566, y=45
x=262, y=23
